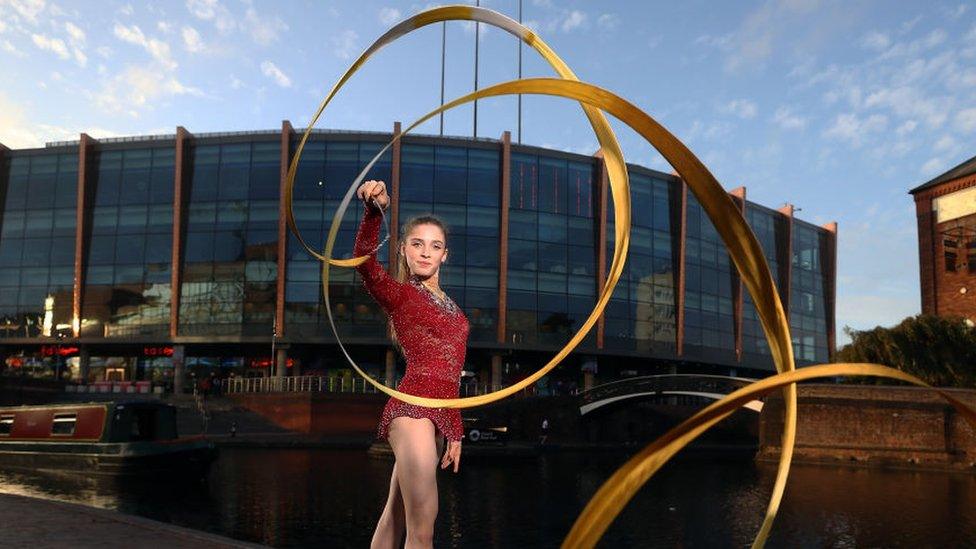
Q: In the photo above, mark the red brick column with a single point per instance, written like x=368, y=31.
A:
x=601, y=242
x=738, y=195
x=786, y=267
x=506, y=183
x=179, y=227
x=285, y=160
x=85, y=146
x=830, y=289
x=679, y=312
x=395, y=197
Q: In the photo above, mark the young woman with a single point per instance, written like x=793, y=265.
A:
x=431, y=332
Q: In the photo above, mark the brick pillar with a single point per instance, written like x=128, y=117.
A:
x=786, y=261
x=926, y=253
x=281, y=362
x=390, y=373
x=179, y=369
x=739, y=197
x=506, y=182
x=85, y=146
x=680, y=290
x=601, y=242
x=496, y=372
x=180, y=200
x=830, y=289
x=284, y=161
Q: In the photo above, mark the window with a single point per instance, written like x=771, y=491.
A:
x=64, y=424
x=6, y=425
x=972, y=263
x=949, y=243
x=950, y=262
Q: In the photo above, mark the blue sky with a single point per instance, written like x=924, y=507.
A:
x=838, y=107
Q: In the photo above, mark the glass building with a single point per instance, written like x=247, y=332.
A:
x=157, y=257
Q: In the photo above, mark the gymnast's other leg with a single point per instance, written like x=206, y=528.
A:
x=393, y=522
x=415, y=447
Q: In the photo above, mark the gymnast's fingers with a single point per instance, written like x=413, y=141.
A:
x=457, y=457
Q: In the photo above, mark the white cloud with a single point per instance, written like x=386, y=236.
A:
x=272, y=71
x=191, y=40
x=235, y=83
x=158, y=49
x=263, y=29
x=875, y=41
x=3, y=26
x=212, y=10
x=77, y=35
x=743, y=108
x=389, y=16
x=932, y=167
x=344, y=44
x=608, y=21
x=80, y=57
x=785, y=119
x=164, y=27
x=966, y=120
x=28, y=9
x=11, y=49
x=55, y=45
x=139, y=87
x=906, y=128
x=909, y=102
x=852, y=129
x=574, y=20
x=947, y=145
x=126, y=10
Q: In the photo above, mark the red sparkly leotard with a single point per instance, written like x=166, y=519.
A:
x=432, y=333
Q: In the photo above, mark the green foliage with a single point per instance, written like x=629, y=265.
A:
x=939, y=350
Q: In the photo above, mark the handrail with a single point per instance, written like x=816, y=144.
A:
x=332, y=384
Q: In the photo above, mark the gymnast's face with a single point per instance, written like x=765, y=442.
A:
x=425, y=249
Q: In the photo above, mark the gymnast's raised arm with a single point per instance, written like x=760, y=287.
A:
x=385, y=289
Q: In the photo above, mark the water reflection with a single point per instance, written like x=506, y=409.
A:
x=306, y=498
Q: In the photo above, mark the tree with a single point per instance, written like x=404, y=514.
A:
x=939, y=350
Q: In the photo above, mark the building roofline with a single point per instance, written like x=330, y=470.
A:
x=962, y=170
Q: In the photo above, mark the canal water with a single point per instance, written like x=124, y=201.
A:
x=332, y=498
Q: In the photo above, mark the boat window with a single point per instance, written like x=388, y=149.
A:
x=6, y=425
x=64, y=424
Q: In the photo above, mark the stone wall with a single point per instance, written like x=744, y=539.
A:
x=897, y=426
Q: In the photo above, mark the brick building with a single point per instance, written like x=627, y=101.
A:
x=946, y=210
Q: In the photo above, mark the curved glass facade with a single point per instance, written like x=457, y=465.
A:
x=231, y=239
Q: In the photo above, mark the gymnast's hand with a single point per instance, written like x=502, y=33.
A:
x=452, y=455
x=374, y=190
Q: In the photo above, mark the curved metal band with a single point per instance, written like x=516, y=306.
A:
x=768, y=304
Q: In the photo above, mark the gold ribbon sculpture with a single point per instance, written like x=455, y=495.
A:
x=743, y=248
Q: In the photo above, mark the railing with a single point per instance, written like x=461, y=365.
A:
x=323, y=384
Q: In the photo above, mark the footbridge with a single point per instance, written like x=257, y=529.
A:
x=697, y=385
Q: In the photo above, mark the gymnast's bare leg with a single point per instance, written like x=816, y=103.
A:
x=411, y=507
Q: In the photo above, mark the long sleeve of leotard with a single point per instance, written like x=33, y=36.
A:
x=385, y=289
x=456, y=427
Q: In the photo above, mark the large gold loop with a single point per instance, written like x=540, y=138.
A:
x=751, y=264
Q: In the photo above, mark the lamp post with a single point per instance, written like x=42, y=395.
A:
x=57, y=359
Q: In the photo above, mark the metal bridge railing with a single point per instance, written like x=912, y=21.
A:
x=325, y=384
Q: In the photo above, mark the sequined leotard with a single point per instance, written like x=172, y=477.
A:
x=433, y=334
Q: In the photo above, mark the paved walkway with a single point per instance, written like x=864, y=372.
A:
x=41, y=524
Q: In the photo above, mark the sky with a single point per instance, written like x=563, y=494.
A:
x=837, y=107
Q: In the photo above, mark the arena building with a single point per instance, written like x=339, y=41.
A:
x=161, y=257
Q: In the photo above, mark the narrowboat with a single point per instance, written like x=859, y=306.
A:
x=104, y=438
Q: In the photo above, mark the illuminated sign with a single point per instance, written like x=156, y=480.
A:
x=157, y=351
x=54, y=350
